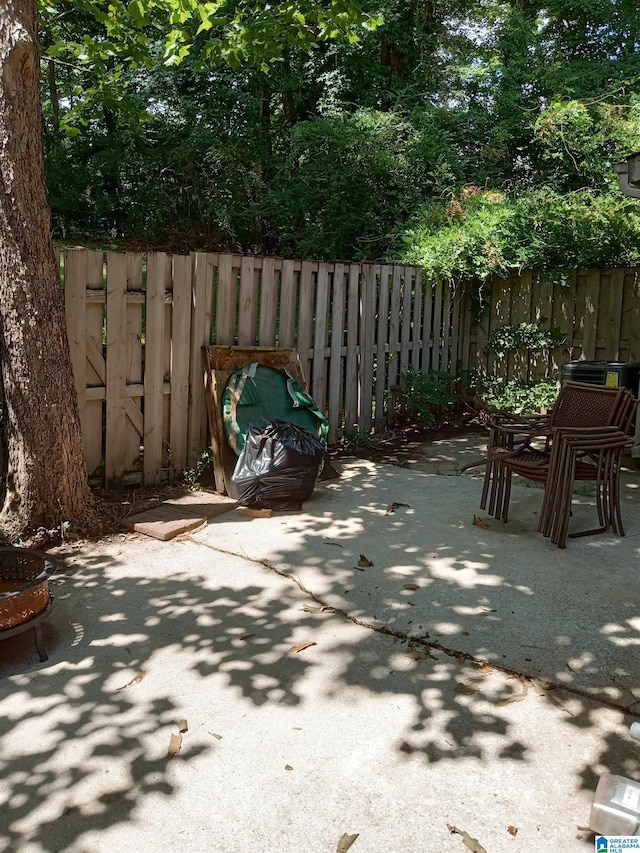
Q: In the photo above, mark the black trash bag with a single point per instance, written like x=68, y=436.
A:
x=277, y=468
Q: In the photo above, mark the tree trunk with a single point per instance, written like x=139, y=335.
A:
x=47, y=478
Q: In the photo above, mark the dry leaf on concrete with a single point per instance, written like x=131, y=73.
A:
x=135, y=680
x=217, y=737
x=472, y=843
x=302, y=647
x=345, y=842
x=394, y=506
x=466, y=689
x=480, y=523
x=418, y=654
x=175, y=745
x=288, y=767
x=517, y=698
x=183, y=726
x=410, y=586
x=364, y=561
x=512, y=830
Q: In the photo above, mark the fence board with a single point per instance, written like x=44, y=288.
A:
x=436, y=353
x=562, y=317
x=589, y=323
x=226, y=302
x=116, y=367
x=248, y=308
x=541, y=311
x=319, y=384
x=632, y=313
x=179, y=370
x=367, y=337
x=288, y=304
x=416, y=328
x=405, y=329
x=382, y=339
x=268, y=303
x=483, y=327
x=201, y=308
x=354, y=320
x=457, y=313
x=305, y=321
x=336, y=372
x=395, y=322
x=465, y=343
x=520, y=293
x=612, y=316
x=500, y=316
x=154, y=366
x=426, y=361
x=445, y=352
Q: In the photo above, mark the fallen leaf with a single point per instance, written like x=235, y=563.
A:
x=480, y=523
x=337, y=544
x=517, y=698
x=288, y=767
x=175, y=745
x=466, y=689
x=135, y=680
x=411, y=586
x=364, y=561
x=302, y=647
x=345, y=842
x=183, y=726
x=247, y=636
x=472, y=843
x=418, y=654
x=217, y=737
x=394, y=506
x=512, y=830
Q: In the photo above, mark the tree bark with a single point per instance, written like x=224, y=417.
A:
x=47, y=478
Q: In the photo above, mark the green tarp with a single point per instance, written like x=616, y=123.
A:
x=256, y=395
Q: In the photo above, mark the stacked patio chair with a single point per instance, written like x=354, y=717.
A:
x=582, y=438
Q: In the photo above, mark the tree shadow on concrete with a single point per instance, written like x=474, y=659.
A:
x=81, y=749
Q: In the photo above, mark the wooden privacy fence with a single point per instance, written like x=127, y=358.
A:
x=137, y=324
x=597, y=312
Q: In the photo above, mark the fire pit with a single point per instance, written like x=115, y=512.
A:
x=25, y=599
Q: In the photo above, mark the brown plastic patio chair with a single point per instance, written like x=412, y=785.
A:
x=525, y=446
x=593, y=454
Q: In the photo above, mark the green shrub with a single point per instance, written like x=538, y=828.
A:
x=420, y=395
x=515, y=395
x=481, y=233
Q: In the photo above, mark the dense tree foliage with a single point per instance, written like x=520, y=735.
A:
x=472, y=137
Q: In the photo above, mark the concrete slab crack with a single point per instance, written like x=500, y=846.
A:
x=413, y=642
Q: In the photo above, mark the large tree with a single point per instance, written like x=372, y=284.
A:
x=46, y=479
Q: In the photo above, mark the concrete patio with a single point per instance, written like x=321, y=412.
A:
x=471, y=683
